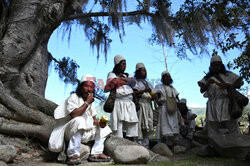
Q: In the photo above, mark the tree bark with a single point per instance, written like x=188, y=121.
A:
x=25, y=29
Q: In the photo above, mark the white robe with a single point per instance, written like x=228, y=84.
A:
x=218, y=100
x=66, y=127
x=145, y=114
x=124, y=108
x=168, y=125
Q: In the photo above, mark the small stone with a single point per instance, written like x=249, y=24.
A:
x=179, y=149
x=7, y=153
x=18, y=157
x=36, y=154
x=3, y=163
x=131, y=154
x=27, y=155
x=162, y=149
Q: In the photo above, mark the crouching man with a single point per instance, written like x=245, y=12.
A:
x=76, y=123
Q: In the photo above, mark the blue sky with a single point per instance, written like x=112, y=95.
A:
x=134, y=49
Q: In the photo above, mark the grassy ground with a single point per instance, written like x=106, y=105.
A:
x=198, y=161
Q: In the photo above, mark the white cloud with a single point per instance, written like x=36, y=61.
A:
x=194, y=105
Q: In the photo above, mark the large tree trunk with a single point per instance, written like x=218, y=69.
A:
x=25, y=28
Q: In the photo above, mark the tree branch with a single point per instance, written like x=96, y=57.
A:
x=3, y=15
x=30, y=114
x=100, y=14
x=23, y=129
x=9, y=114
x=141, y=4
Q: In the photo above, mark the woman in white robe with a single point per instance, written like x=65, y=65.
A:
x=168, y=125
x=123, y=116
x=142, y=90
x=75, y=123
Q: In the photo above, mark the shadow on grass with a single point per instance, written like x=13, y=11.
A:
x=199, y=161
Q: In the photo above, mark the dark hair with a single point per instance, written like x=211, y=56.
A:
x=211, y=73
x=116, y=69
x=171, y=82
x=78, y=90
x=137, y=74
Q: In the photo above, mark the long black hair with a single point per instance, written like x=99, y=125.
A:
x=171, y=82
x=78, y=90
x=211, y=73
x=117, y=71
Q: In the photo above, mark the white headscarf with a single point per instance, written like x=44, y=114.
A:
x=139, y=66
x=88, y=77
x=118, y=59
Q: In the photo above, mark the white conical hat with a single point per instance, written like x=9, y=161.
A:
x=118, y=59
x=215, y=58
x=139, y=66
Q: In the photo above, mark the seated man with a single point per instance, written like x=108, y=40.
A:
x=189, y=119
x=76, y=122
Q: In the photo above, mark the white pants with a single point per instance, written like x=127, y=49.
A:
x=75, y=144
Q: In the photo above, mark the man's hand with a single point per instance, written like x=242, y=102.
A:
x=90, y=99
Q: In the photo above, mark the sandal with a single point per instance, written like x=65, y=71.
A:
x=74, y=160
x=99, y=158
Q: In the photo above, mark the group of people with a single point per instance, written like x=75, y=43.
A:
x=132, y=115
x=134, y=103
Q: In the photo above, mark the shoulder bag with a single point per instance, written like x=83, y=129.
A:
x=171, y=102
x=110, y=102
x=237, y=101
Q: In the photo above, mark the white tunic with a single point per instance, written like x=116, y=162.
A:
x=145, y=114
x=168, y=124
x=124, y=108
x=66, y=127
x=218, y=100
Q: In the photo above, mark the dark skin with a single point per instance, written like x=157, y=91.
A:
x=216, y=68
x=88, y=97
x=121, y=81
x=142, y=75
x=117, y=82
x=166, y=80
x=183, y=109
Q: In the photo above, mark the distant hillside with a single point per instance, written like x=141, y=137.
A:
x=199, y=111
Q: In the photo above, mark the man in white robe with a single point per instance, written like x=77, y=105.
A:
x=76, y=122
x=214, y=86
x=168, y=125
